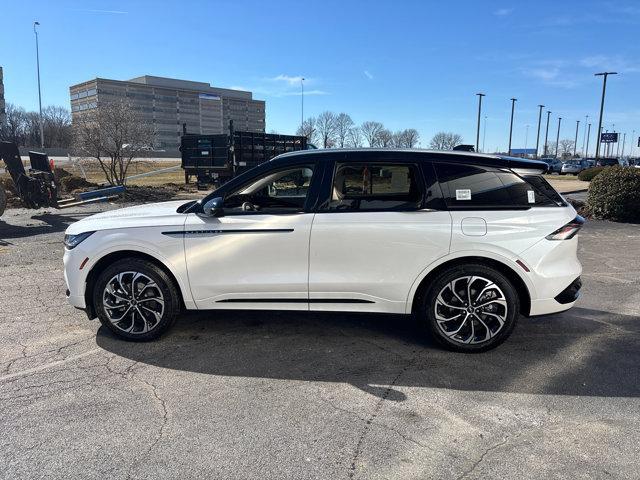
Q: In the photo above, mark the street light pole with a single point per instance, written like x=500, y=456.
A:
x=558, y=136
x=546, y=135
x=484, y=134
x=575, y=143
x=604, y=91
x=480, y=95
x=624, y=141
x=35, y=31
x=526, y=136
x=513, y=106
x=584, y=137
x=301, y=104
x=588, y=135
x=538, y=135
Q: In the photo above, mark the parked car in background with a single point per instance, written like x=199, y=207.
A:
x=607, y=162
x=554, y=164
x=591, y=162
x=573, y=166
x=465, y=242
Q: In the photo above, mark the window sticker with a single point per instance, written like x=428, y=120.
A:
x=531, y=196
x=463, y=194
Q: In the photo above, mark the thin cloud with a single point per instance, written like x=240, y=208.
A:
x=368, y=74
x=91, y=10
x=503, y=12
x=295, y=80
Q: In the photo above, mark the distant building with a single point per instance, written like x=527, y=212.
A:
x=168, y=103
x=2, y=105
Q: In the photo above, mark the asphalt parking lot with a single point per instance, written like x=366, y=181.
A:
x=292, y=395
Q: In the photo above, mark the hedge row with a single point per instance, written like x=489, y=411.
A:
x=614, y=194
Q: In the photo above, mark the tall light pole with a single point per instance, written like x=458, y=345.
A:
x=584, y=137
x=558, y=136
x=604, y=91
x=526, y=136
x=539, y=122
x=480, y=95
x=301, y=104
x=513, y=107
x=588, y=135
x=624, y=141
x=546, y=135
x=35, y=24
x=484, y=134
x=575, y=142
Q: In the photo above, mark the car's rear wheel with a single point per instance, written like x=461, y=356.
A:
x=470, y=308
x=135, y=299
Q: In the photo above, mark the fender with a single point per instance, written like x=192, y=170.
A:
x=506, y=260
x=177, y=268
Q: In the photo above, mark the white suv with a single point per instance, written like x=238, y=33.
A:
x=465, y=242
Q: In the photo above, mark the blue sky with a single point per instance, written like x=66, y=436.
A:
x=404, y=63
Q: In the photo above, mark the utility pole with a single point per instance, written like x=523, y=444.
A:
x=604, y=91
x=575, y=143
x=538, y=135
x=480, y=95
x=546, y=135
x=588, y=135
x=558, y=136
x=35, y=31
x=513, y=106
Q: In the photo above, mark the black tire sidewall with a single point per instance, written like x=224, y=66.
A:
x=427, y=315
x=172, y=303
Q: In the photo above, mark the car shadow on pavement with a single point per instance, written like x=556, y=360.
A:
x=42, y=224
x=580, y=352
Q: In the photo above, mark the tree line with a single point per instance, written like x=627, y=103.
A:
x=331, y=130
x=23, y=127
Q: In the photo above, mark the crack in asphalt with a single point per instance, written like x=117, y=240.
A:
x=372, y=418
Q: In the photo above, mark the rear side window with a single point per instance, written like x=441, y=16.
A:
x=364, y=186
x=471, y=186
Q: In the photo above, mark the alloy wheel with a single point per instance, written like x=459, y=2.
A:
x=471, y=310
x=133, y=302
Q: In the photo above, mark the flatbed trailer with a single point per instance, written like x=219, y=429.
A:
x=215, y=159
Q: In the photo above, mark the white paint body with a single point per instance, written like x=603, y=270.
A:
x=309, y=260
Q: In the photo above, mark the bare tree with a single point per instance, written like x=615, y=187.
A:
x=566, y=147
x=355, y=137
x=445, y=141
x=326, y=126
x=370, y=131
x=384, y=138
x=113, y=134
x=344, y=124
x=13, y=127
x=57, y=126
x=411, y=138
x=308, y=129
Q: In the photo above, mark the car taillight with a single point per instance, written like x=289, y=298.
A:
x=567, y=231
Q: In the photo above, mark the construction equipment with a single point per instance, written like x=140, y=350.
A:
x=215, y=159
x=37, y=187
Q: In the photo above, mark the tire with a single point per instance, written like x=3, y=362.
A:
x=472, y=329
x=153, y=309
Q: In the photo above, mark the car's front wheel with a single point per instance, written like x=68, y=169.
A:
x=470, y=308
x=135, y=299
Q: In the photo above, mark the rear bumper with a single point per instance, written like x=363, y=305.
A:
x=561, y=302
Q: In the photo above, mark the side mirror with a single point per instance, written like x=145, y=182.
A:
x=214, y=207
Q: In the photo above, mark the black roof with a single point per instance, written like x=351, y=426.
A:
x=390, y=154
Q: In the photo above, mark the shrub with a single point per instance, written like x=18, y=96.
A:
x=588, y=174
x=614, y=194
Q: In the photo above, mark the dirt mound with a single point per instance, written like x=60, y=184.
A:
x=13, y=201
x=71, y=183
x=59, y=173
x=136, y=193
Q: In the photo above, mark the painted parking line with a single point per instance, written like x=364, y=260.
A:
x=29, y=371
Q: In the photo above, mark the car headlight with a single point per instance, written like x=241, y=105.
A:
x=72, y=241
